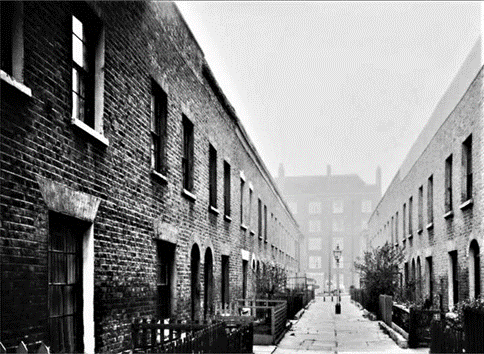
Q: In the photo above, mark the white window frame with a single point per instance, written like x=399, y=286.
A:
x=314, y=208
x=338, y=206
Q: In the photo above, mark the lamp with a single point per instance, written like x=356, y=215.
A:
x=337, y=256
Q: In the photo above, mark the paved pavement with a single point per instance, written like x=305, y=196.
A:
x=320, y=330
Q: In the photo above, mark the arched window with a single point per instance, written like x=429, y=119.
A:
x=208, y=284
x=474, y=270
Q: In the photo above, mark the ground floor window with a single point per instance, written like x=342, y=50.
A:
x=225, y=280
x=453, y=279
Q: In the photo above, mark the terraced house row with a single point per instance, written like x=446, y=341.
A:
x=434, y=207
x=129, y=187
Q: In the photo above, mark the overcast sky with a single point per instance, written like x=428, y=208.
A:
x=346, y=84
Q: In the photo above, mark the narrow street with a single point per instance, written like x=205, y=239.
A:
x=320, y=330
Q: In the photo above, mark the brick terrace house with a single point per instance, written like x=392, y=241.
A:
x=332, y=210
x=129, y=187
x=434, y=207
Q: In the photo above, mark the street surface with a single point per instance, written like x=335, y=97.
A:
x=320, y=330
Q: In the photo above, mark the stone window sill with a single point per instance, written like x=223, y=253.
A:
x=14, y=83
x=227, y=218
x=91, y=132
x=410, y=236
x=243, y=227
x=260, y=237
x=190, y=196
x=161, y=177
x=468, y=203
x=419, y=231
x=252, y=232
x=430, y=225
x=448, y=214
x=213, y=210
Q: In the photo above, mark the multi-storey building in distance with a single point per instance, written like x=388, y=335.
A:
x=331, y=210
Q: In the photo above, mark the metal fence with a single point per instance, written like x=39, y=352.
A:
x=217, y=337
x=446, y=338
x=474, y=330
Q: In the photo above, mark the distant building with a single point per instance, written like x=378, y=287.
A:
x=331, y=210
x=434, y=207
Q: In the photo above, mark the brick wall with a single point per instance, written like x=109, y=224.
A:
x=451, y=233
x=143, y=41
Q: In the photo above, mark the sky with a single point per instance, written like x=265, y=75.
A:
x=350, y=84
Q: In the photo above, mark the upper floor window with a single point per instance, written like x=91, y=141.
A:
x=396, y=227
x=187, y=158
x=315, y=262
x=226, y=188
x=420, y=208
x=404, y=221
x=315, y=208
x=265, y=222
x=338, y=206
x=293, y=207
x=87, y=72
x=364, y=224
x=242, y=188
x=212, y=172
x=467, y=169
x=314, y=225
x=259, y=214
x=251, y=197
x=314, y=243
x=366, y=206
x=430, y=199
x=158, y=127
x=338, y=224
x=410, y=211
x=448, y=184
x=12, y=44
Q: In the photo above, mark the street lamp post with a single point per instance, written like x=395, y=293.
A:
x=337, y=256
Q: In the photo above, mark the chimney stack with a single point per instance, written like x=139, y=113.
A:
x=281, y=173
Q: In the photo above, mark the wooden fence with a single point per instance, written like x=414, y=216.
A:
x=385, y=307
x=270, y=319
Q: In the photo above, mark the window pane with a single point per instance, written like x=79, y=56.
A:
x=72, y=272
x=69, y=335
x=70, y=300
x=71, y=241
x=153, y=152
x=75, y=81
x=81, y=109
x=78, y=51
x=77, y=27
x=56, y=300
x=58, y=268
